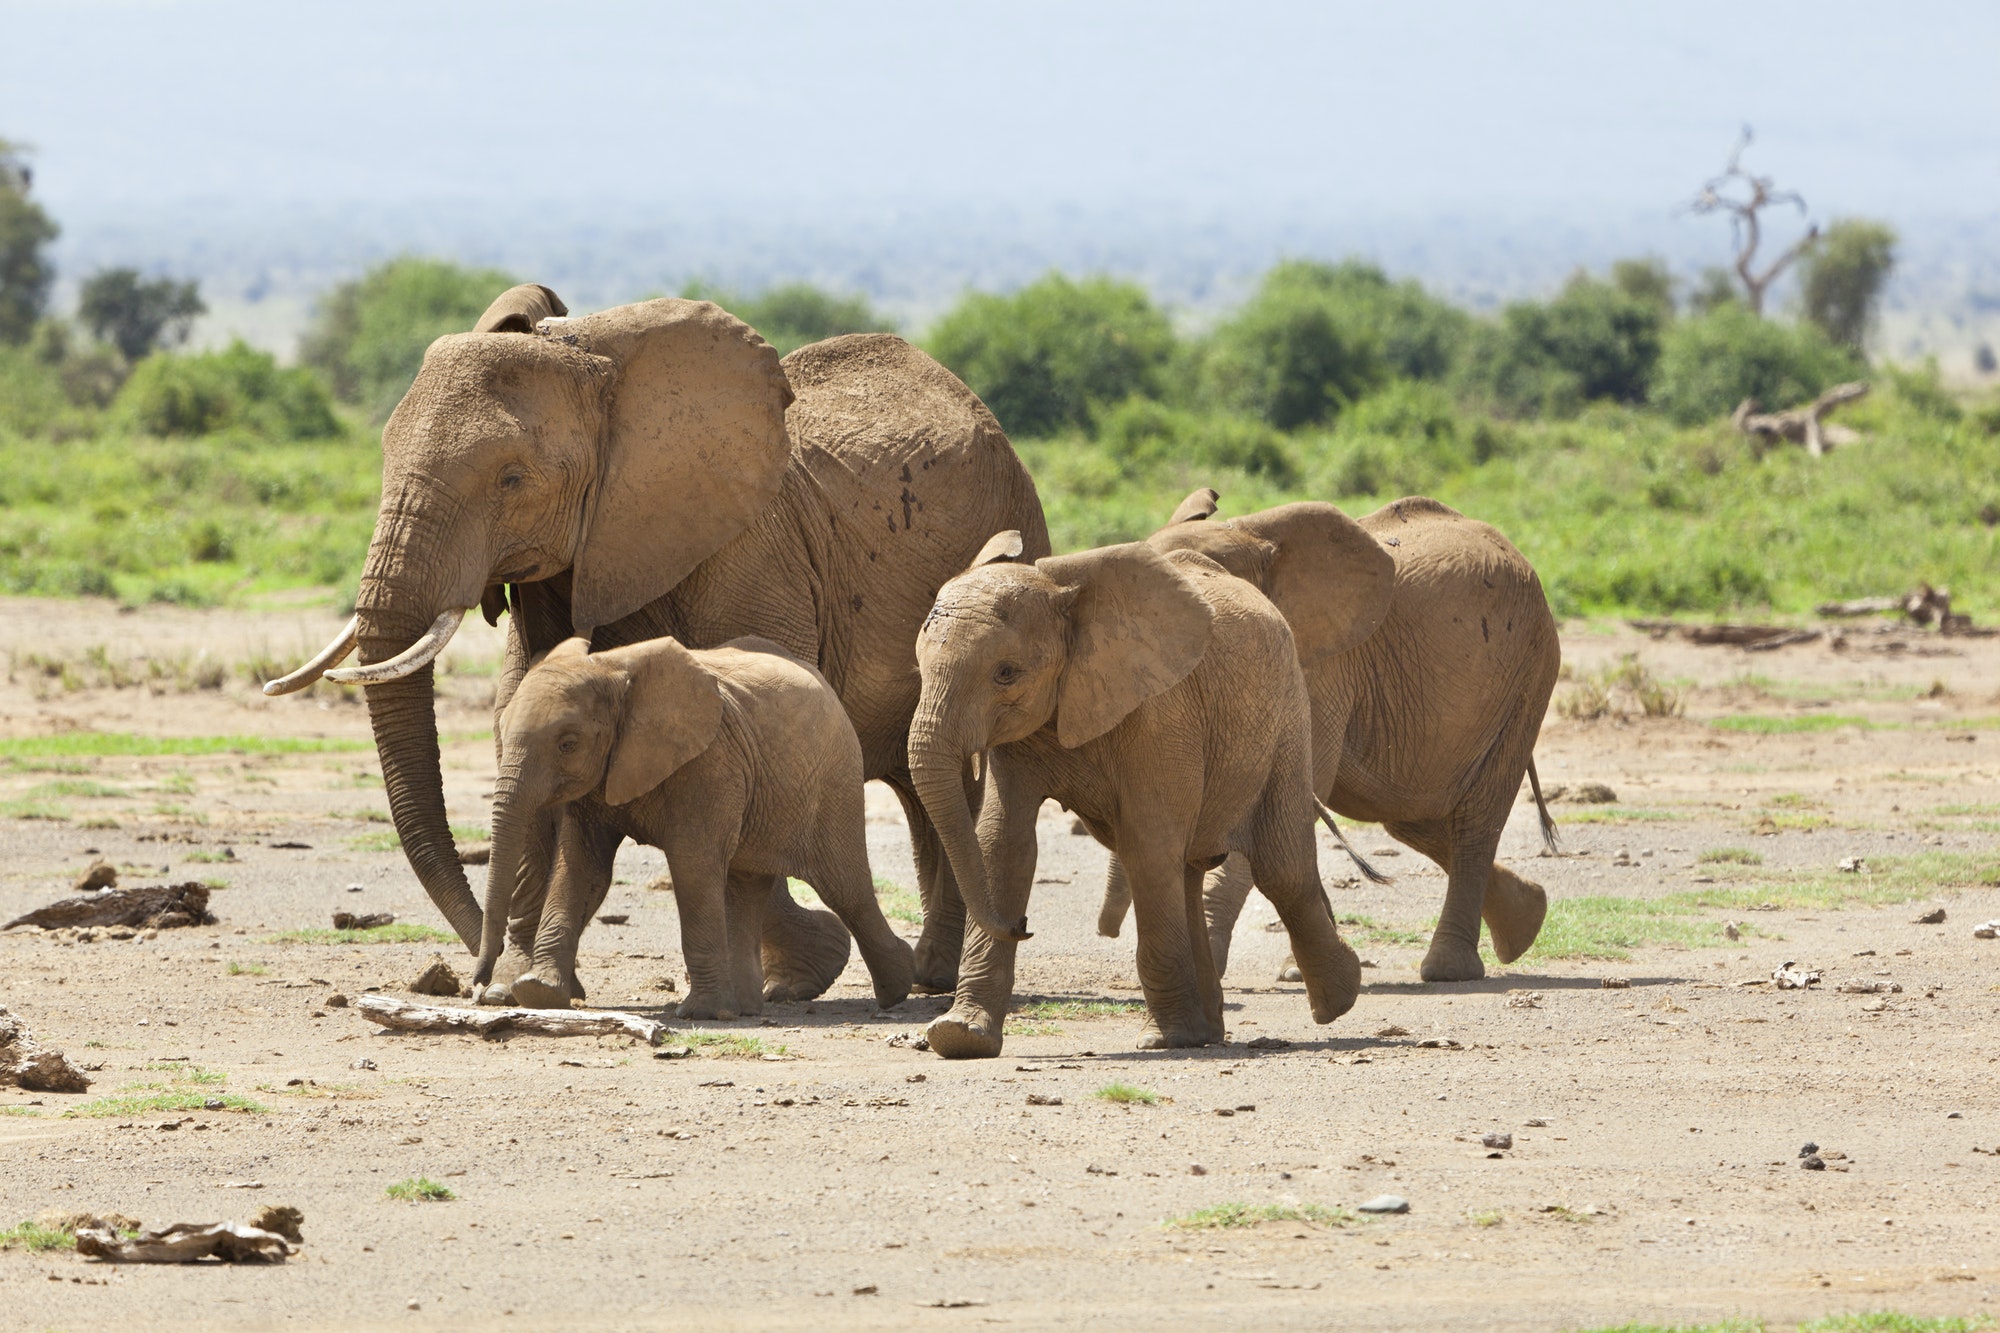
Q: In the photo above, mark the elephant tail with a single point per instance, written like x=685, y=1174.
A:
x=1550, y=839
x=1360, y=862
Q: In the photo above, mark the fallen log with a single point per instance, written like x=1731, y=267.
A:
x=186, y=1242
x=160, y=906
x=26, y=1063
x=1752, y=638
x=1801, y=425
x=409, y=1016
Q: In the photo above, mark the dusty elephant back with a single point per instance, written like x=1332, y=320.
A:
x=916, y=475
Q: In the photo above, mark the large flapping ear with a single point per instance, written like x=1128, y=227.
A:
x=1199, y=505
x=695, y=448
x=519, y=309
x=673, y=710
x=1330, y=578
x=1137, y=627
x=1000, y=547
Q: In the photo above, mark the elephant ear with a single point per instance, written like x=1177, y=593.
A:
x=1000, y=548
x=519, y=309
x=1330, y=578
x=695, y=448
x=673, y=711
x=1137, y=627
x=1199, y=505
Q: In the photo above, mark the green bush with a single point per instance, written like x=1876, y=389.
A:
x=1047, y=357
x=368, y=337
x=1403, y=439
x=797, y=313
x=1596, y=340
x=1141, y=434
x=240, y=387
x=1298, y=352
x=1710, y=363
x=1842, y=276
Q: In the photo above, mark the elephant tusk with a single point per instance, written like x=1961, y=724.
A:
x=336, y=651
x=413, y=658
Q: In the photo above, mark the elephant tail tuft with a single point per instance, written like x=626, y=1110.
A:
x=1360, y=862
x=1550, y=839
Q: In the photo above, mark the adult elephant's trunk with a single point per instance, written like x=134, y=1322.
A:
x=404, y=717
x=503, y=872
x=937, y=771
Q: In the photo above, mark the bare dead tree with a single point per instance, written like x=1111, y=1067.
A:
x=1743, y=196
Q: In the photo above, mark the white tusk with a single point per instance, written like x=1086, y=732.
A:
x=413, y=658
x=342, y=645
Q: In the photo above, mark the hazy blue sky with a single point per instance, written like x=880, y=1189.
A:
x=1603, y=108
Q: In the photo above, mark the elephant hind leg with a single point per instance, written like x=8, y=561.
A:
x=1467, y=859
x=1224, y=891
x=1117, y=900
x=1514, y=910
x=803, y=950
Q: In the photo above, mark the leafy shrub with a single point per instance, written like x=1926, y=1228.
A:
x=1842, y=276
x=1304, y=346
x=1046, y=357
x=1712, y=362
x=135, y=315
x=240, y=386
x=1141, y=434
x=1404, y=439
x=368, y=337
x=1594, y=341
x=792, y=315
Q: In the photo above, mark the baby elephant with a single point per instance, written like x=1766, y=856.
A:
x=1161, y=700
x=738, y=762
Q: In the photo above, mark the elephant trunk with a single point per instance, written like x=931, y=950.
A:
x=503, y=872
x=937, y=771
x=404, y=718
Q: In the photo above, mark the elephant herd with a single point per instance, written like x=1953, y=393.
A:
x=740, y=587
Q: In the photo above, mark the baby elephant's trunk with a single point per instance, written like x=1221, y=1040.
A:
x=503, y=873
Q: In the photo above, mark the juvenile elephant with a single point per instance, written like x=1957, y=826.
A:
x=650, y=470
x=1160, y=699
x=737, y=762
x=1429, y=655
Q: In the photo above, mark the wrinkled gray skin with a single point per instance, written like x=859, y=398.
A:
x=737, y=762
x=652, y=470
x=1429, y=656
x=1161, y=700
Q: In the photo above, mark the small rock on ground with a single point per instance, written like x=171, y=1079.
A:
x=1386, y=1203
x=437, y=979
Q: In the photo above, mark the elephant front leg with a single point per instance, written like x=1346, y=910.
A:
x=1468, y=864
x=702, y=900
x=1224, y=891
x=973, y=1027
x=1183, y=1006
x=943, y=937
x=579, y=877
x=749, y=896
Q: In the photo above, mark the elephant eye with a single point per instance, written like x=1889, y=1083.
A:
x=511, y=480
x=567, y=745
x=1007, y=674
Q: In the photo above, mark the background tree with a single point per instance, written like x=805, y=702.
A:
x=135, y=315
x=1844, y=274
x=368, y=336
x=1596, y=340
x=1744, y=196
x=25, y=230
x=796, y=313
x=1048, y=356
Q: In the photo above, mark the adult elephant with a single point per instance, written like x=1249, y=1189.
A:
x=655, y=469
x=1429, y=655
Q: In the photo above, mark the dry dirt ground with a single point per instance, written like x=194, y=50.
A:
x=803, y=1168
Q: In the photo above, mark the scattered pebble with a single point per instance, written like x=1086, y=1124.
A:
x=1497, y=1140
x=98, y=875
x=1730, y=928
x=1853, y=865
x=438, y=979
x=1197, y=1170
x=1537, y=1123
x=336, y=1001
x=1386, y=1203
x=1267, y=1043
x=1788, y=975
x=612, y=918
x=1988, y=931
x=1043, y=1099
x=1935, y=917
x=1615, y=983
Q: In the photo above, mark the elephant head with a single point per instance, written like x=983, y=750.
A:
x=1329, y=577
x=624, y=720
x=1076, y=641
x=618, y=449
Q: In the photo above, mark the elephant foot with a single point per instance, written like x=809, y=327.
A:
x=532, y=992
x=1289, y=970
x=937, y=961
x=965, y=1034
x=803, y=954
x=1174, y=1036
x=1339, y=987
x=498, y=994
x=700, y=1005
x=1514, y=911
x=893, y=977
x=1451, y=962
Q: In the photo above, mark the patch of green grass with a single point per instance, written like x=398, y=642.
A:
x=19, y=1110
x=1985, y=809
x=1124, y=1094
x=731, y=1045
x=1620, y=814
x=420, y=1189
x=179, y=1072
x=1887, y=882
x=1073, y=1009
x=134, y=1104
x=129, y=744
x=37, y=1239
x=374, y=842
x=1012, y=1028
x=396, y=932
x=24, y=809
x=1490, y=1217
x=899, y=903
x=1226, y=1216
x=208, y=858
x=1741, y=856
x=1783, y=821
x=1604, y=927
x=47, y=765
x=1761, y=725
x=368, y=816
x=1365, y=930
x=179, y=814
x=1892, y=1321
x=1791, y=800
x=237, y=969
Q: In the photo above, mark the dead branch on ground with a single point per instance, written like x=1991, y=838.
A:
x=409, y=1016
x=1801, y=425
